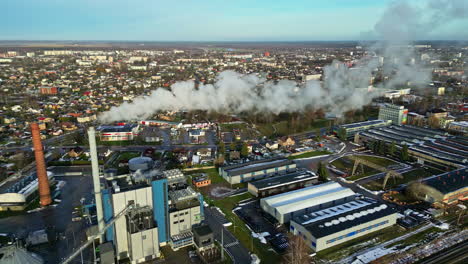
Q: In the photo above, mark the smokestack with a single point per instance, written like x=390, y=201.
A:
x=44, y=188
x=96, y=181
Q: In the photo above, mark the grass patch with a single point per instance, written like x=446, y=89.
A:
x=407, y=177
x=309, y=154
x=282, y=128
x=346, y=164
x=424, y=236
x=231, y=127
x=349, y=247
x=240, y=230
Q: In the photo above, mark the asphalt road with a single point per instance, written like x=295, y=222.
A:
x=453, y=255
x=238, y=252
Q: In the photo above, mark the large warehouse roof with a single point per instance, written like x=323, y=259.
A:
x=338, y=218
x=307, y=197
x=449, y=181
x=289, y=178
x=257, y=165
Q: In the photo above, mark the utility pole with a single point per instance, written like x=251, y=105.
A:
x=222, y=243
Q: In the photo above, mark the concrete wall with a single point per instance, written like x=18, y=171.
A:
x=141, y=197
x=183, y=220
x=144, y=244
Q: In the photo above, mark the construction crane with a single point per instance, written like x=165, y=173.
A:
x=359, y=162
x=129, y=208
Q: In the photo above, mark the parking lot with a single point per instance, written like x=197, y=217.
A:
x=263, y=224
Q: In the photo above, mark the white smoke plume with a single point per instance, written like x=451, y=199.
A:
x=342, y=89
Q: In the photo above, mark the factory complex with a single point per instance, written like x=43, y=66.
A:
x=427, y=146
x=446, y=188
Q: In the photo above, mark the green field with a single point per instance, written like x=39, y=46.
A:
x=282, y=128
x=407, y=177
x=309, y=154
x=345, y=165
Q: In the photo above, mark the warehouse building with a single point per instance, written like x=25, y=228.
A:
x=126, y=132
x=446, y=188
x=254, y=170
x=427, y=146
x=282, y=183
x=16, y=195
x=283, y=207
x=333, y=225
x=352, y=129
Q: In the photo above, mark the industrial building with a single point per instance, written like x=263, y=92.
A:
x=253, y=170
x=283, y=207
x=396, y=113
x=332, y=225
x=428, y=146
x=165, y=211
x=16, y=195
x=352, y=129
x=446, y=188
x=460, y=128
x=282, y=183
x=125, y=132
x=164, y=217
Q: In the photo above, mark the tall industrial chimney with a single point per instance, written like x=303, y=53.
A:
x=44, y=188
x=96, y=181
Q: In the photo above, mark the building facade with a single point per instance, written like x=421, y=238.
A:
x=396, y=113
x=335, y=225
x=254, y=170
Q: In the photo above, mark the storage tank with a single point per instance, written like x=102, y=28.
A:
x=140, y=163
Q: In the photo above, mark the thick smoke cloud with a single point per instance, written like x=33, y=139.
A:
x=234, y=93
x=342, y=89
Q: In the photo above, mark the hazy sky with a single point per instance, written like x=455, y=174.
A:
x=197, y=20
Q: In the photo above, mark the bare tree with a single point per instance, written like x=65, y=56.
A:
x=298, y=251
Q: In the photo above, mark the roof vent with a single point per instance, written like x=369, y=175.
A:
x=350, y=217
x=328, y=224
x=335, y=222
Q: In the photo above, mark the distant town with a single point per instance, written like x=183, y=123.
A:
x=96, y=166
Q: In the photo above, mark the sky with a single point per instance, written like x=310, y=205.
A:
x=199, y=20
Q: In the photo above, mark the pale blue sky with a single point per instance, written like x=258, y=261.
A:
x=193, y=20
